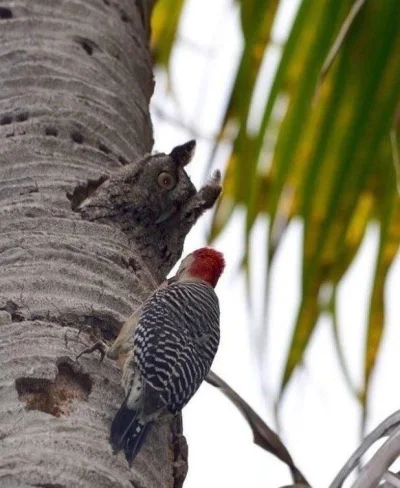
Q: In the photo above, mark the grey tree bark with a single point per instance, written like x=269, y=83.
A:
x=75, y=83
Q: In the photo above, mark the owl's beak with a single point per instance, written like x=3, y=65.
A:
x=166, y=215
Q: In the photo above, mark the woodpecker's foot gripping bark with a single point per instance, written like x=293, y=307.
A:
x=97, y=346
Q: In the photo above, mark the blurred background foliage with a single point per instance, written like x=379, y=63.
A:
x=325, y=149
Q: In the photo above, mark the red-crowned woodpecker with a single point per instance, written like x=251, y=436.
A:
x=171, y=349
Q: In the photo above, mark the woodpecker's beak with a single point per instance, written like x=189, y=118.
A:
x=172, y=280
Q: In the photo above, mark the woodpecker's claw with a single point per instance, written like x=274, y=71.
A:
x=97, y=346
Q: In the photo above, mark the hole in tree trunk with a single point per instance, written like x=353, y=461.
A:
x=77, y=137
x=51, y=131
x=5, y=120
x=21, y=117
x=5, y=13
x=55, y=397
x=103, y=148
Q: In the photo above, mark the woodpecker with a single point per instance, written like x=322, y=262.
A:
x=171, y=349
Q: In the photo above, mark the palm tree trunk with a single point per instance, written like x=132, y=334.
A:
x=76, y=79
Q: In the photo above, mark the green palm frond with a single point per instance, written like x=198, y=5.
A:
x=322, y=151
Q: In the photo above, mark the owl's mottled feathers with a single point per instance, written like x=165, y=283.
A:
x=153, y=201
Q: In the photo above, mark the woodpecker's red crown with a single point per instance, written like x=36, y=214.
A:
x=208, y=264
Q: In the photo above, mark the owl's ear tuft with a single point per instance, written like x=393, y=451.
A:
x=182, y=155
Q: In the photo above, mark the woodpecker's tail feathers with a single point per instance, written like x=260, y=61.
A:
x=121, y=425
x=135, y=439
x=127, y=432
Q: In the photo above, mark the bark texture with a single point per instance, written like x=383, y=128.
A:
x=75, y=84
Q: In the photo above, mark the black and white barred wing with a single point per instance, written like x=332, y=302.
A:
x=176, y=340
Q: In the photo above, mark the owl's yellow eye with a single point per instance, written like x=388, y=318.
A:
x=166, y=180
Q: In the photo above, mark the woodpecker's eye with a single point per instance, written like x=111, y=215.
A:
x=166, y=180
